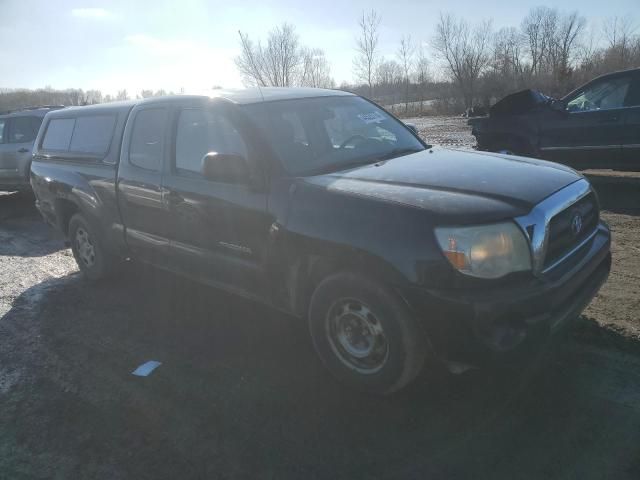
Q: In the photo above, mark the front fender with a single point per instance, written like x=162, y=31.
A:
x=327, y=231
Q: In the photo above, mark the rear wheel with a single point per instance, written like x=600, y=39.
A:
x=94, y=261
x=365, y=334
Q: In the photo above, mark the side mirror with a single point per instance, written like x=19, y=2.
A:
x=412, y=127
x=225, y=168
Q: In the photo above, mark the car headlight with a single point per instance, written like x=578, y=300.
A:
x=486, y=251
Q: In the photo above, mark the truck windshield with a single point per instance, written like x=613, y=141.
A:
x=319, y=135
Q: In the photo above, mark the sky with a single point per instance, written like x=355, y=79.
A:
x=190, y=45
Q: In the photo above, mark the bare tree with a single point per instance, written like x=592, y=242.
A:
x=507, y=52
x=249, y=62
x=421, y=74
x=93, y=97
x=618, y=32
x=76, y=96
x=464, y=52
x=388, y=72
x=565, y=44
x=282, y=56
x=273, y=65
x=505, y=71
x=539, y=29
x=588, y=50
x=283, y=62
x=405, y=58
x=316, y=71
x=122, y=95
x=12, y=99
x=366, y=60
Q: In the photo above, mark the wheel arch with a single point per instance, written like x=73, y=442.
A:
x=306, y=272
x=66, y=209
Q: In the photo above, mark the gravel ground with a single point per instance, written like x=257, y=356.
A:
x=241, y=394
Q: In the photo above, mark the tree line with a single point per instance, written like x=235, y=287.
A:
x=17, y=98
x=461, y=65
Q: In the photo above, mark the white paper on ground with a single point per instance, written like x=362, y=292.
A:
x=146, y=368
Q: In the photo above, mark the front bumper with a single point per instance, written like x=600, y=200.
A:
x=510, y=323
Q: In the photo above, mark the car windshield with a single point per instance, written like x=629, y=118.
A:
x=317, y=135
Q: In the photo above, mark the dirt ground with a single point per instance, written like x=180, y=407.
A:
x=241, y=394
x=445, y=131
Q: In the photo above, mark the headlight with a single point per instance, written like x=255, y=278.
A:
x=486, y=251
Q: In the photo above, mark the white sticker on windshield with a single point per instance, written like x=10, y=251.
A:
x=373, y=117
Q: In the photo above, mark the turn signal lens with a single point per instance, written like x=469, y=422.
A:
x=457, y=259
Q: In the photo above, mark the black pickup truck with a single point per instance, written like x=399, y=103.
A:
x=321, y=204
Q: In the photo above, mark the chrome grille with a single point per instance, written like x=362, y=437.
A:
x=546, y=225
x=562, y=238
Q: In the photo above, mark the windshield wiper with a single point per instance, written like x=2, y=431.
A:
x=336, y=167
x=399, y=152
x=368, y=160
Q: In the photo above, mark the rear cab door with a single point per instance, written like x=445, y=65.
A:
x=139, y=185
x=588, y=133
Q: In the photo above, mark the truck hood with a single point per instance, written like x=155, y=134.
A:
x=458, y=186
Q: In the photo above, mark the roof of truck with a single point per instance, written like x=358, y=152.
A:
x=239, y=96
x=266, y=94
x=246, y=96
x=98, y=108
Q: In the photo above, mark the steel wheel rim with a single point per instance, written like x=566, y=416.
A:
x=356, y=336
x=84, y=247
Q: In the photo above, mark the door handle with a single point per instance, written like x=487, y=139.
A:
x=23, y=150
x=173, y=198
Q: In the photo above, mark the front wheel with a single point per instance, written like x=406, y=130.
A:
x=94, y=261
x=365, y=334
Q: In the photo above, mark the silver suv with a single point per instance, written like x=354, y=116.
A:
x=18, y=130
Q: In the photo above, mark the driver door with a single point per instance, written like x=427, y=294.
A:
x=219, y=227
x=588, y=133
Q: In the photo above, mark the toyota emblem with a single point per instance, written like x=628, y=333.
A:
x=576, y=224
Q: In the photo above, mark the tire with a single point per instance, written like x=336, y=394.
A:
x=94, y=261
x=365, y=335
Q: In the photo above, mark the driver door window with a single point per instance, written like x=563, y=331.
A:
x=605, y=95
x=202, y=131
